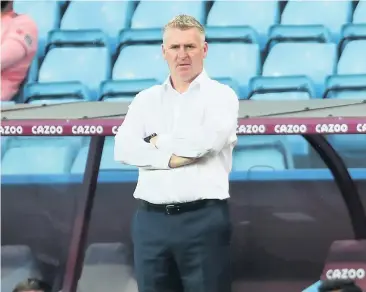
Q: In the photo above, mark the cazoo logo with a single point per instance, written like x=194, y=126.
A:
x=344, y=274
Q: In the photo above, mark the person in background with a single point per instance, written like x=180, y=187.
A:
x=19, y=44
x=181, y=135
x=32, y=285
x=339, y=286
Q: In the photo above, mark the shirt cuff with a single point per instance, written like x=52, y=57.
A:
x=162, y=158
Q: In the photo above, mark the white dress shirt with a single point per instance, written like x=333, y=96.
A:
x=200, y=122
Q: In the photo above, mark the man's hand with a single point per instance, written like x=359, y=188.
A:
x=177, y=161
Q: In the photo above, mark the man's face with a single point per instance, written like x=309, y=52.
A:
x=184, y=50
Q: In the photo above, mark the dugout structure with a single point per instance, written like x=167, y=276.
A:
x=312, y=119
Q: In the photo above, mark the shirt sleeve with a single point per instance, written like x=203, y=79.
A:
x=218, y=129
x=130, y=147
x=19, y=42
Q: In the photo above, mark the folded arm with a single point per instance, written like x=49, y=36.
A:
x=220, y=124
x=130, y=147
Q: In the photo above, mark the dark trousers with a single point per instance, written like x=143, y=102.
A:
x=187, y=252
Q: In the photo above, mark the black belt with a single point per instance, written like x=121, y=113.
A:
x=171, y=209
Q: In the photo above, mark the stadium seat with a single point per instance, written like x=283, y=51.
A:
x=353, y=58
x=108, y=16
x=266, y=159
x=140, y=36
x=45, y=13
x=55, y=92
x=155, y=14
x=245, y=13
x=359, y=16
x=107, y=161
x=151, y=64
x=346, y=87
x=281, y=88
x=17, y=264
x=242, y=60
x=107, y=265
x=298, y=33
x=331, y=14
x=351, y=145
x=36, y=155
x=263, y=153
x=314, y=60
x=77, y=56
x=124, y=90
x=4, y=142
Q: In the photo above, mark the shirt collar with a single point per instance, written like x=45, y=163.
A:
x=198, y=81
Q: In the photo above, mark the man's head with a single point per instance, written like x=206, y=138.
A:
x=32, y=285
x=184, y=48
x=6, y=5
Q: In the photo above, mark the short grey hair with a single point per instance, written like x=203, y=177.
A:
x=184, y=22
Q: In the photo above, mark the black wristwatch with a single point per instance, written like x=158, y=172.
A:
x=148, y=138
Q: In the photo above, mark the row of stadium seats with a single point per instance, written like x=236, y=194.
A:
x=113, y=16
x=306, y=58
x=19, y=155
x=308, y=70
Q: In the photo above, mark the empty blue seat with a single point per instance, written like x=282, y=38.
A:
x=352, y=148
x=4, y=142
x=332, y=14
x=262, y=159
x=359, y=16
x=292, y=146
x=140, y=36
x=150, y=65
x=314, y=60
x=77, y=56
x=45, y=13
x=35, y=155
x=353, y=58
x=107, y=161
x=281, y=88
x=298, y=33
x=346, y=87
x=55, y=92
x=352, y=32
x=37, y=160
x=124, y=90
x=109, y=16
x=260, y=15
x=156, y=14
x=240, y=63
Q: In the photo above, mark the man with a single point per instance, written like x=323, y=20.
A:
x=19, y=43
x=189, y=125
x=339, y=286
x=32, y=285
